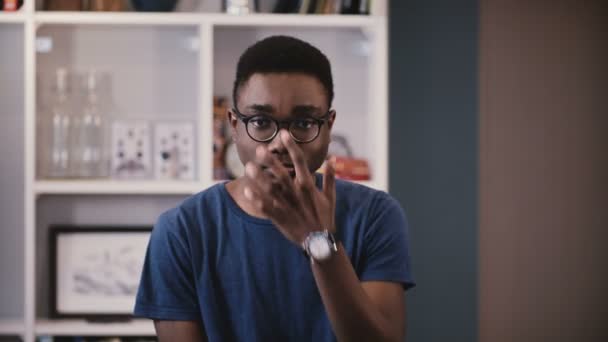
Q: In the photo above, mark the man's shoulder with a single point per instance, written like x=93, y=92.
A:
x=201, y=206
x=354, y=194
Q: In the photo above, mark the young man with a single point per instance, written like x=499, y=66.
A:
x=282, y=253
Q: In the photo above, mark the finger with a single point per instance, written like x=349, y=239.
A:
x=329, y=190
x=272, y=164
x=329, y=181
x=281, y=183
x=303, y=175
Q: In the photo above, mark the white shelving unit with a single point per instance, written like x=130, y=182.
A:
x=186, y=57
x=11, y=327
x=137, y=327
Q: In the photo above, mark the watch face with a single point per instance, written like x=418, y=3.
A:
x=319, y=248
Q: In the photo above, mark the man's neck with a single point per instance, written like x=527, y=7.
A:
x=235, y=189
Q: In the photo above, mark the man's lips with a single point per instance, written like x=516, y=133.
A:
x=291, y=169
x=288, y=166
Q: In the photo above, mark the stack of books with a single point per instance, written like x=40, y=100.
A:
x=323, y=6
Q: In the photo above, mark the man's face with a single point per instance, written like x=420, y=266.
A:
x=282, y=96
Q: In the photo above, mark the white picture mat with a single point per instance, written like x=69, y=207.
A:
x=85, y=252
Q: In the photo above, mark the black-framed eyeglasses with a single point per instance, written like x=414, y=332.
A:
x=264, y=128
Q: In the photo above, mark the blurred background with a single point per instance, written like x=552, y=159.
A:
x=499, y=153
x=486, y=119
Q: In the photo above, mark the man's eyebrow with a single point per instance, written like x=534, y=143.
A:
x=264, y=108
x=305, y=110
x=299, y=110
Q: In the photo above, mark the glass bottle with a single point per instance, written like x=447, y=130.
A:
x=89, y=148
x=54, y=129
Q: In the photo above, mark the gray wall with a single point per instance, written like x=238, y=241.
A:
x=433, y=172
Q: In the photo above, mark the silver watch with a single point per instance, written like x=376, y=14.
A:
x=320, y=245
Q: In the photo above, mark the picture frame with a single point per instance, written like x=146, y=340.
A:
x=95, y=270
x=174, y=150
x=131, y=153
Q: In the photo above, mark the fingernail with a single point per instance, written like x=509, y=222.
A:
x=247, y=192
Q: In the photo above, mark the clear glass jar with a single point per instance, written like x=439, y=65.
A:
x=90, y=128
x=54, y=128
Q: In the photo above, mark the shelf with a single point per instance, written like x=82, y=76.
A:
x=293, y=20
x=135, y=18
x=138, y=327
x=11, y=327
x=118, y=187
x=12, y=17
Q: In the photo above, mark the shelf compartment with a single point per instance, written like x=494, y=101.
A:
x=350, y=52
x=71, y=327
x=152, y=74
x=99, y=210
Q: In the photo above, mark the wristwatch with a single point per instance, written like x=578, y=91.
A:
x=320, y=245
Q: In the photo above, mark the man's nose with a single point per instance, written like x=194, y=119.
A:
x=276, y=144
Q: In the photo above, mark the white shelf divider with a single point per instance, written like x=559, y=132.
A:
x=137, y=18
x=29, y=250
x=11, y=327
x=292, y=20
x=205, y=104
x=118, y=187
x=12, y=17
x=70, y=327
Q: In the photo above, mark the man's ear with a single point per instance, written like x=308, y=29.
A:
x=232, y=121
x=331, y=119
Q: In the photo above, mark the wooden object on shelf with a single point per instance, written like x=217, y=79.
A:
x=349, y=168
x=220, y=137
x=107, y=5
x=10, y=5
x=63, y=5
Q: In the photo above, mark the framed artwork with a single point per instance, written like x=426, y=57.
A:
x=95, y=270
x=174, y=150
x=131, y=152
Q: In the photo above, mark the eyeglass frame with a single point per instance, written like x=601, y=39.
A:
x=246, y=118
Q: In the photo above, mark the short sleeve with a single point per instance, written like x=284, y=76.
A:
x=386, y=249
x=167, y=289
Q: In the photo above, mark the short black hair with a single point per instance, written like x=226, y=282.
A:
x=283, y=54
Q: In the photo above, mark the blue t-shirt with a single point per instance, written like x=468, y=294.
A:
x=211, y=262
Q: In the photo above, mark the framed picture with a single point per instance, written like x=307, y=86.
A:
x=95, y=270
x=131, y=151
x=174, y=150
